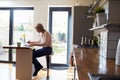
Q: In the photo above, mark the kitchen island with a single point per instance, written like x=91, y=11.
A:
x=88, y=60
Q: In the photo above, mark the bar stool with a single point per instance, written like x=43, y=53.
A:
x=48, y=60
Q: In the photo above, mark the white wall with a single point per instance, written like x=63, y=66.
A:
x=16, y=3
x=41, y=8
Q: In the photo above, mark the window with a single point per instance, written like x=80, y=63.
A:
x=15, y=23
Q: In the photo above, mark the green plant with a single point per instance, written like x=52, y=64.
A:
x=99, y=10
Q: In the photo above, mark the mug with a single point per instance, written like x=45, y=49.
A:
x=18, y=44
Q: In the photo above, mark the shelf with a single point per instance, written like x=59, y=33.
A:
x=110, y=27
x=91, y=15
x=98, y=27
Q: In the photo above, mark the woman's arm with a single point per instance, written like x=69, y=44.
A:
x=44, y=41
x=36, y=44
x=32, y=43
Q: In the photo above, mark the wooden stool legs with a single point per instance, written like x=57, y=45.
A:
x=48, y=64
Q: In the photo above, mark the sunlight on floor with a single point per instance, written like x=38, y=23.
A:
x=7, y=72
x=56, y=75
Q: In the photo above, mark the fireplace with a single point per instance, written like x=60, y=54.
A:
x=108, y=36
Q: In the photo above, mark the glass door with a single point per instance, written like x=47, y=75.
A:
x=4, y=33
x=59, y=33
x=22, y=27
x=59, y=27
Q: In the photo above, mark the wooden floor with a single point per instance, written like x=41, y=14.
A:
x=7, y=72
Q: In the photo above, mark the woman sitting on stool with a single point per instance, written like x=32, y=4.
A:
x=45, y=42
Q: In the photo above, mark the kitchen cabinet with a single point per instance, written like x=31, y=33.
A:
x=81, y=24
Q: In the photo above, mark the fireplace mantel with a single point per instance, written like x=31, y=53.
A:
x=109, y=36
x=115, y=27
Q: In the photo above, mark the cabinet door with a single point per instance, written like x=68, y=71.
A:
x=81, y=24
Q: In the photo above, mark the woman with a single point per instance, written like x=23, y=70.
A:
x=45, y=42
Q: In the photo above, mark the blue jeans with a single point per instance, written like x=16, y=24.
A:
x=39, y=53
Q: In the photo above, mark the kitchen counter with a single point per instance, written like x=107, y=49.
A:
x=103, y=76
x=88, y=60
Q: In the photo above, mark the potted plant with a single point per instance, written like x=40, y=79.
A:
x=99, y=9
x=100, y=15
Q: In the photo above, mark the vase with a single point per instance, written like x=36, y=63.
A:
x=101, y=18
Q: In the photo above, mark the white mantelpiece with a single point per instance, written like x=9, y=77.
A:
x=109, y=36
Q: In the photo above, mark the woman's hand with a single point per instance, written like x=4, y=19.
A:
x=28, y=42
x=32, y=43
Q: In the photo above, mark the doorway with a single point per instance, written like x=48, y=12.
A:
x=59, y=26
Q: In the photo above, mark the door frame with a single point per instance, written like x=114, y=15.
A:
x=51, y=9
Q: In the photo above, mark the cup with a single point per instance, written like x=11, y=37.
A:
x=18, y=44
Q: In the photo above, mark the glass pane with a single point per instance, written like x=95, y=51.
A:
x=59, y=34
x=23, y=27
x=4, y=33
